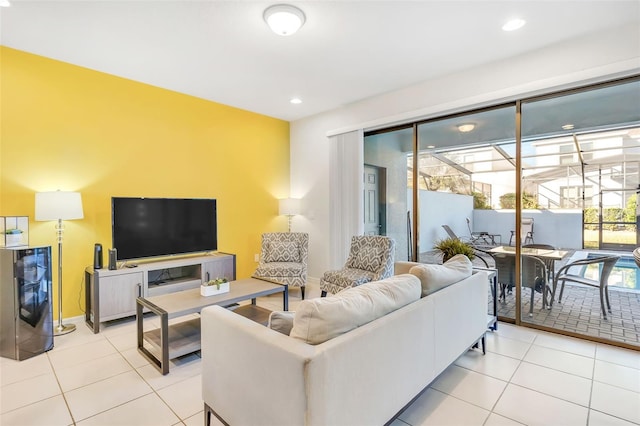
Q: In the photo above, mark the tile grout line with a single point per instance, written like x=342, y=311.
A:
x=62, y=393
x=153, y=390
x=520, y=361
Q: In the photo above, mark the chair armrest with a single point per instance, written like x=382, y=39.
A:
x=584, y=262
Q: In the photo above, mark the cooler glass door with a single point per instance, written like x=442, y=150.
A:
x=33, y=284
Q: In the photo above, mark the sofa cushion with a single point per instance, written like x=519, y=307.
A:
x=436, y=277
x=281, y=321
x=318, y=320
x=283, y=251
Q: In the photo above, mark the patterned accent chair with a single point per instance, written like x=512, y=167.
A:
x=370, y=258
x=283, y=258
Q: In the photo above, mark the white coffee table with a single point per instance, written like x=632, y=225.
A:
x=172, y=341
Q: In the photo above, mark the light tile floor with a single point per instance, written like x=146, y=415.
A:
x=527, y=377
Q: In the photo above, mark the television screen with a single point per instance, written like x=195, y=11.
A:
x=150, y=227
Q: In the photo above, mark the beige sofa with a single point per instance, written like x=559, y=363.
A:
x=253, y=375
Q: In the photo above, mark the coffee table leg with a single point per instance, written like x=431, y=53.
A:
x=164, y=342
x=139, y=323
x=285, y=297
x=161, y=364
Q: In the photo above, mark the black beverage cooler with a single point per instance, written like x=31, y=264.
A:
x=26, y=319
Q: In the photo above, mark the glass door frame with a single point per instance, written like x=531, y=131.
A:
x=519, y=173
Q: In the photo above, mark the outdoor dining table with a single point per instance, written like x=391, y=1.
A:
x=545, y=254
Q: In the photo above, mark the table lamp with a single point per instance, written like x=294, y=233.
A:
x=289, y=207
x=59, y=205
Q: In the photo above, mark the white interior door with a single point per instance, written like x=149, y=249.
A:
x=371, y=201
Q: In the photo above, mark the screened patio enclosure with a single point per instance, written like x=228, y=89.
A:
x=593, y=177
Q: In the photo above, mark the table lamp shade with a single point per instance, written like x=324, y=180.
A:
x=54, y=205
x=289, y=206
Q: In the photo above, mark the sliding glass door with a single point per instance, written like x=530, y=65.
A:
x=531, y=186
x=580, y=165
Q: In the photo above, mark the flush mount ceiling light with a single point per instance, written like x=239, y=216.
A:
x=466, y=128
x=284, y=19
x=296, y=101
x=5, y=3
x=514, y=24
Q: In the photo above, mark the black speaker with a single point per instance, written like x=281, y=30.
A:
x=97, y=256
x=113, y=259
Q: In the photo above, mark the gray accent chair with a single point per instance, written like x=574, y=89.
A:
x=370, y=258
x=283, y=258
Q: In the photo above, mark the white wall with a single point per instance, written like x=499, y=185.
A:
x=559, y=228
x=442, y=208
x=573, y=63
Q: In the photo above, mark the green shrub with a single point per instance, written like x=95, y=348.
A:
x=508, y=201
x=452, y=246
x=480, y=201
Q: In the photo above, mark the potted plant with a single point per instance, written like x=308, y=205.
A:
x=213, y=287
x=452, y=246
x=13, y=237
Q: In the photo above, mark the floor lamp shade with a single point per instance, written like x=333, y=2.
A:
x=59, y=206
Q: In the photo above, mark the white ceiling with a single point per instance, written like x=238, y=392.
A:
x=347, y=51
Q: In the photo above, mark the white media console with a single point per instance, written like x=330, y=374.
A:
x=111, y=294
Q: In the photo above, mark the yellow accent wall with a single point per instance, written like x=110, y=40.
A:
x=70, y=128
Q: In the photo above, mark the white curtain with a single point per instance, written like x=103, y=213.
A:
x=346, y=201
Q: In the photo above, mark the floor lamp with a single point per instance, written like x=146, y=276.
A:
x=289, y=207
x=59, y=205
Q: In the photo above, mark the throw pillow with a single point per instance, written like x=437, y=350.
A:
x=283, y=251
x=318, y=320
x=367, y=259
x=437, y=277
x=281, y=321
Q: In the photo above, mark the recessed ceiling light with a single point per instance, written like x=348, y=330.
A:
x=514, y=24
x=466, y=127
x=284, y=19
x=568, y=126
x=5, y=3
x=430, y=146
x=296, y=101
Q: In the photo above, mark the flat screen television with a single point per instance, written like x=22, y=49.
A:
x=153, y=227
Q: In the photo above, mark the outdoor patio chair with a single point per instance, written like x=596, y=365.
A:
x=526, y=231
x=283, y=258
x=636, y=256
x=506, y=267
x=452, y=234
x=606, y=264
x=370, y=258
x=483, y=238
x=534, y=277
x=549, y=262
